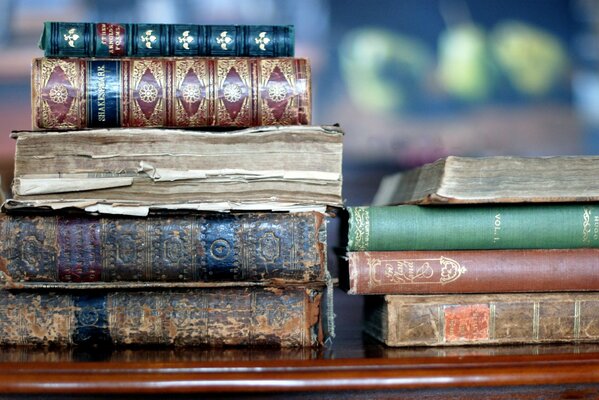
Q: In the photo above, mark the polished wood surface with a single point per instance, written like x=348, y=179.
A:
x=353, y=364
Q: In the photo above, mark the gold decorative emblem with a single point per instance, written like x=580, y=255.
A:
x=223, y=40
x=586, y=225
x=232, y=93
x=220, y=249
x=191, y=93
x=59, y=93
x=277, y=91
x=361, y=228
x=148, y=39
x=185, y=39
x=72, y=37
x=431, y=271
x=262, y=41
x=148, y=93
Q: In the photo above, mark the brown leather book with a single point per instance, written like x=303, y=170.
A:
x=75, y=93
x=236, y=316
x=473, y=319
x=473, y=271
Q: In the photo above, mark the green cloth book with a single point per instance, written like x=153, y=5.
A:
x=410, y=227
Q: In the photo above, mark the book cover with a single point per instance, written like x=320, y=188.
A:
x=81, y=39
x=505, y=179
x=131, y=170
x=480, y=319
x=208, y=247
x=452, y=227
x=473, y=271
x=254, y=316
x=74, y=93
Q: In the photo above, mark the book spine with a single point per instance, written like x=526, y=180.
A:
x=483, y=319
x=477, y=271
x=288, y=247
x=287, y=317
x=410, y=227
x=68, y=39
x=170, y=92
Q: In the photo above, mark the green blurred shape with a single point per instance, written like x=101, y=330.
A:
x=375, y=61
x=463, y=66
x=532, y=59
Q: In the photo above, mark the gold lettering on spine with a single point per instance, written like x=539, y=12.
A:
x=577, y=319
x=586, y=225
x=101, y=74
x=492, y=313
x=497, y=228
x=361, y=227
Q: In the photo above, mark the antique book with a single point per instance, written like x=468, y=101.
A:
x=473, y=271
x=477, y=319
x=466, y=180
x=206, y=247
x=74, y=93
x=88, y=39
x=473, y=227
x=273, y=316
x=132, y=170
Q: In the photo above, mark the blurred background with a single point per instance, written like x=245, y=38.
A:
x=410, y=81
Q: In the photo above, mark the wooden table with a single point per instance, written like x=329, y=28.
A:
x=353, y=367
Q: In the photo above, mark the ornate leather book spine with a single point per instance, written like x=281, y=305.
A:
x=75, y=39
x=218, y=247
x=284, y=317
x=479, y=319
x=410, y=227
x=170, y=92
x=476, y=271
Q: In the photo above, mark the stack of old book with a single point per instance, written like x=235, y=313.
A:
x=495, y=250
x=132, y=233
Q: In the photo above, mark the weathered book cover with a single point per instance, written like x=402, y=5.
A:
x=79, y=93
x=281, y=317
x=81, y=39
x=480, y=227
x=127, y=169
x=473, y=319
x=473, y=271
x=469, y=180
x=209, y=247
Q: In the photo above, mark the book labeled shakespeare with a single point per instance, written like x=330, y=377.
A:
x=235, y=316
x=472, y=180
x=130, y=171
x=480, y=319
x=75, y=93
x=473, y=271
x=88, y=39
x=210, y=247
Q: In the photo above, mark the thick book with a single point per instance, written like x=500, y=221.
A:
x=474, y=227
x=480, y=319
x=79, y=93
x=277, y=168
x=473, y=271
x=253, y=316
x=88, y=39
x=469, y=180
x=207, y=247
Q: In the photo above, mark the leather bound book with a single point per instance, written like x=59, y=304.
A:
x=209, y=247
x=473, y=271
x=81, y=39
x=79, y=93
x=480, y=319
x=253, y=316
